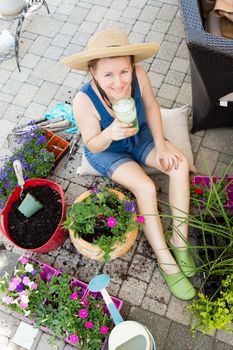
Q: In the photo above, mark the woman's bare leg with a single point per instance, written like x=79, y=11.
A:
x=131, y=176
x=179, y=198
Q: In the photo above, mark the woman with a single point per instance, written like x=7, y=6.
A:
x=117, y=149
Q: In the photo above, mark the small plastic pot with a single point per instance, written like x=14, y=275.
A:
x=29, y=206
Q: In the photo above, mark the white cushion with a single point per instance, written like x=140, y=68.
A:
x=175, y=127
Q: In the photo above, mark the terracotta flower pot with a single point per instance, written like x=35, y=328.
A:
x=93, y=251
x=57, y=145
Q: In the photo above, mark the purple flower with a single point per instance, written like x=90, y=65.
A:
x=94, y=190
x=41, y=139
x=20, y=287
x=130, y=206
x=46, y=275
x=33, y=272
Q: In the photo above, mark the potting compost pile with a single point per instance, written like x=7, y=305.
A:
x=35, y=231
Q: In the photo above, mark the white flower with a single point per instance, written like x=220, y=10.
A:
x=24, y=299
x=29, y=267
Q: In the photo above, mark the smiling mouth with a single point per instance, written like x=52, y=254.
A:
x=118, y=90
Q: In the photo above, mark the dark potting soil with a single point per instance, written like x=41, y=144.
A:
x=35, y=231
x=100, y=229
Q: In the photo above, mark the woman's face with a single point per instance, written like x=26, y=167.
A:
x=114, y=76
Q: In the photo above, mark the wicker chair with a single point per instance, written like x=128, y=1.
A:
x=211, y=62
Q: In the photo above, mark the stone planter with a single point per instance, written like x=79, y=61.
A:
x=92, y=251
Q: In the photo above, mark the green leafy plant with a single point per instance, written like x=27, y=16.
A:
x=209, y=315
x=37, y=162
x=58, y=302
x=103, y=219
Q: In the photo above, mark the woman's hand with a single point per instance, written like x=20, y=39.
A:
x=119, y=131
x=167, y=156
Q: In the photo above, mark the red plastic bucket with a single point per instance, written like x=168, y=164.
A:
x=59, y=235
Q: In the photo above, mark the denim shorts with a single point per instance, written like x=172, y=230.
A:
x=107, y=162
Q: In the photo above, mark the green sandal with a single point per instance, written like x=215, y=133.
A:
x=179, y=285
x=185, y=260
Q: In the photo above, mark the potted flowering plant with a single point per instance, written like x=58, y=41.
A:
x=103, y=223
x=203, y=188
x=36, y=160
x=60, y=304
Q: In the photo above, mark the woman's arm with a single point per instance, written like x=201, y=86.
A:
x=166, y=157
x=152, y=109
x=88, y=122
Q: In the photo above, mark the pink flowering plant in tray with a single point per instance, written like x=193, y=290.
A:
x=58, y=302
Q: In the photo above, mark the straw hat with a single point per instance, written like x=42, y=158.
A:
x=109, y=43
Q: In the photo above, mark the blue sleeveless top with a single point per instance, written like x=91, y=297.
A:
x=125, y=145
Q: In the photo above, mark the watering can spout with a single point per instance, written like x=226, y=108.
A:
x=98, y=284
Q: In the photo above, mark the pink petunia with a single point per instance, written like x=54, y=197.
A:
x=23, y=305
x=12, y=286
x=23, y=296
x=97, y=306
x=33, y=286
x=74, y=296
x=16, y=280
x=74, y=338
x=89, y=325
x=23, y=260
x=26, y=280
x=85, y=302
x=104, y=330
x=13, y=283
x=111, y=222
x=141, y=219
x=83, y=313
x=8, y=300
